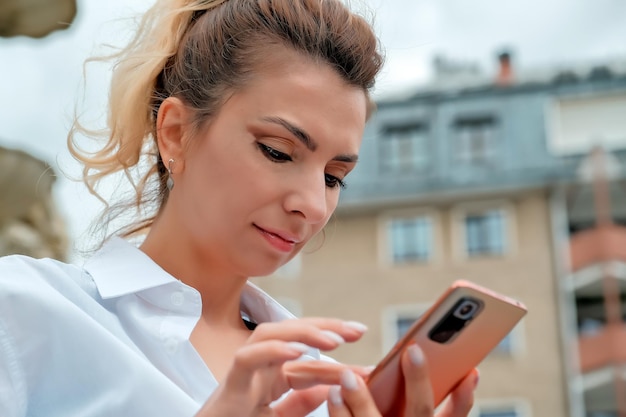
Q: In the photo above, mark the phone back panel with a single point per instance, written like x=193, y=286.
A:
x=447, y=362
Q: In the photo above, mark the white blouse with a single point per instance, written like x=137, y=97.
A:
x=108, y=339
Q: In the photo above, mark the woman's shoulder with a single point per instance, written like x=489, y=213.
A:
x=25, y=263
x=25, y=276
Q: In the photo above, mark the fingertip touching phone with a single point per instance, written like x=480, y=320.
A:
x=456, y=333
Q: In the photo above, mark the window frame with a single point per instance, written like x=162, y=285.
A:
x=518, y=344
x=393, y=313
x=487, y=243
x=418, y=225
x=385, y=249
x=416, y=165
x=521, y=406
x=390, y=316
x=464, y=129
x=558, y=108
x=460, y=212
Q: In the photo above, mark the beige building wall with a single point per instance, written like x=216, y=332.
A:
x=350, y=277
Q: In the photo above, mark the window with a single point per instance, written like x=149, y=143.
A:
x=410, y=239
x=499, y=413
x=403, y=324
x=485, y=233
x=404, y=148
x=475, y=139
x=484, y=229
x=511, y=345
x=501, y=408
x=397, y=319
x=578, y=123
x=505, y=346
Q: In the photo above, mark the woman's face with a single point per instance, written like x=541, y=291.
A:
x=265, y=175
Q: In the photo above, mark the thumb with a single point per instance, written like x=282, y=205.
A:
x=301, y=403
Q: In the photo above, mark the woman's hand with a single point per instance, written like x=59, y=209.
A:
x=352, y=398
x=266, y=368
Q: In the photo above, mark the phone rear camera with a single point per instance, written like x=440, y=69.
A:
x=457, y=317
x=466, y=309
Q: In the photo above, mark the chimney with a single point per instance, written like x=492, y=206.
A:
x=505, y=70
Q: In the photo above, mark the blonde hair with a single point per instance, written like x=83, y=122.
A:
x=200, y=51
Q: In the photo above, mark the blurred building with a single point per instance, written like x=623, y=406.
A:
x=487, y=180
x=29, y=221
x=35, y=18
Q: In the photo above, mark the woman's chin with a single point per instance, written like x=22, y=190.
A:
x=265, y=269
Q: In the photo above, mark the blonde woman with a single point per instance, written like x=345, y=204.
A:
x=239, y=121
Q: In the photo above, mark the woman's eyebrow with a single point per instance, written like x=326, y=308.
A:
x=346, y=158
x=305, y=138
x=298, y=132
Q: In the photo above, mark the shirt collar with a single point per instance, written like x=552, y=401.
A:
x=119, y=268
x=260, y=307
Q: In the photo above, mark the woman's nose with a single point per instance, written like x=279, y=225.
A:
x=308, y=198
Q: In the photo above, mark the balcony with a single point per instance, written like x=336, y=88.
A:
x=598, y=245
x=597, y=254
x=603, y=348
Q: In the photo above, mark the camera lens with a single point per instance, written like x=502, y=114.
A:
x=456, y=319
x=466, y=309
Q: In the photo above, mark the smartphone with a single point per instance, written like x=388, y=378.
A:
x=455, y=334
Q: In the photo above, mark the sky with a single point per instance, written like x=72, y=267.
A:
x=41, y=81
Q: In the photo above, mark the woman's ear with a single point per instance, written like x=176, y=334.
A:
x=172, y=127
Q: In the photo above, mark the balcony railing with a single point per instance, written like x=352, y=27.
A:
x=598, y=245
x=603, y=348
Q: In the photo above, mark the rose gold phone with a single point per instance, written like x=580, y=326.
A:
x=455, y=334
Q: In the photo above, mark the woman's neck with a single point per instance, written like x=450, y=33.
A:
x=219, y=287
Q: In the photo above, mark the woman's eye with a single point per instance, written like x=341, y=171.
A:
x=274, y=155
x=281, y=157
x=333, y=182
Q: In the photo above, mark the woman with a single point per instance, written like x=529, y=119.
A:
x=239, y=121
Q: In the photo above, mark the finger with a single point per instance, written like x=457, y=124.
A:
x=324, y=334
x=336, y=406
x=301, y=403
x=350, y=330
x=263, y=355
x=305, y=374
x=362, y=371
x=418, y=391
x=304, y=401
x=352, y=399
x=461, y=400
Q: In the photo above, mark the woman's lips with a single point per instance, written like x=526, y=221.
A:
x=278, y=240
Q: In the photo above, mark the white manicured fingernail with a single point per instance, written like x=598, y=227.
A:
x=334, y=395
x=298, y=347
x=416, y=355
x=334, y=336
x=348, y=380
x=369, y=369
x=355, y=325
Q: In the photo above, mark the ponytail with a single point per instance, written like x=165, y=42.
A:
x=130, y=132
